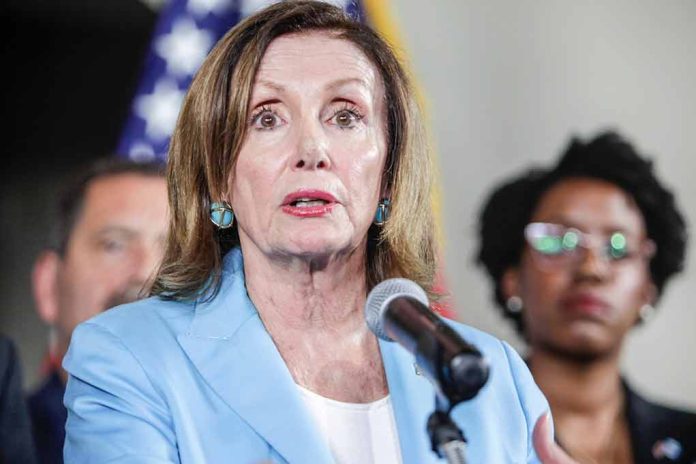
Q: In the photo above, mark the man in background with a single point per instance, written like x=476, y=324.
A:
x=109, y=237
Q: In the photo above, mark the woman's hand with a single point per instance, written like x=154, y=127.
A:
x=547, y=449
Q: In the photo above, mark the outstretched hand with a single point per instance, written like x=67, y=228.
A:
x=546, y=448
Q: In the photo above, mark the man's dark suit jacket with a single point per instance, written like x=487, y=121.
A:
x=16, y=444
x=48, y=416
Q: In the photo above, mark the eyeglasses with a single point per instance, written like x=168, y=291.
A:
x=556, y=246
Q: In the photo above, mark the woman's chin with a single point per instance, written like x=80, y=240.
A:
x=316, y=248
x=317, y=239
x=587, y=343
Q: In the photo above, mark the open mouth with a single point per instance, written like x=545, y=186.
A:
x=308, y=202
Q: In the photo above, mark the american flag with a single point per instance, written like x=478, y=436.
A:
x=184, y=34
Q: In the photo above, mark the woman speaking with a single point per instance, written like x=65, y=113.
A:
x=298, y=180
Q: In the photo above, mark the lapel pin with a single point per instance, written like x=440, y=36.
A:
x=667, y=448
x=417, y=369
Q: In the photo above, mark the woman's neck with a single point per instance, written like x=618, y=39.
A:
x=314, y=314
x=577, y=387
x=587, y=402
x=307, y=294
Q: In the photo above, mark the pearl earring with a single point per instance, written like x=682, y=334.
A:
x=514, y=304
x=646, y=313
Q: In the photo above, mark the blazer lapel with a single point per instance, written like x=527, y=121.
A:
x=236, y=356
x=413, y=399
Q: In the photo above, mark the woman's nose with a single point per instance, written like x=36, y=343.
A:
x=593, y=264
x=312, y=148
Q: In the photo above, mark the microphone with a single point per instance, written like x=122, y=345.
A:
x=398, y=310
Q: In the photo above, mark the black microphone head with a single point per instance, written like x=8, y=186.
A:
x=380, y=296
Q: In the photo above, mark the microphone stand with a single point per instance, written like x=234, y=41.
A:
x=459, y=379
x=446, y=438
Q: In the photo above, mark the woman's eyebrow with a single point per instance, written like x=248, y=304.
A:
x=270, y=84
x=349, y=80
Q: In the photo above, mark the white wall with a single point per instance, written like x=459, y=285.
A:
x=507, y=82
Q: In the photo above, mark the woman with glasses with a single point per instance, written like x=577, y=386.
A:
x=578, y=255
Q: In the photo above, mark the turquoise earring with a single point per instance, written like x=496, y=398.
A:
x=382, y=213
x=221, y=214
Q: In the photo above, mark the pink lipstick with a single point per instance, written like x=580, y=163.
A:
x=308, y=203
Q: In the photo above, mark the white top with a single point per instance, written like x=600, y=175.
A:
x=357, y=433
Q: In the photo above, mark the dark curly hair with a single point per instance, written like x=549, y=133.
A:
x=608, y=157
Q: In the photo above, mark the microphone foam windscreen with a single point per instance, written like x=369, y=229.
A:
x=380, y=296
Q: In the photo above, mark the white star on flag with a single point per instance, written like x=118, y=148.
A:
x=185, y=48
x=183, y=36
x=141, y=152
x=160, y=109
x=201, y=8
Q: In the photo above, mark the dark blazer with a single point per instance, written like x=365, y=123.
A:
x=660, y=434
x=16, y=445
x=48, y=417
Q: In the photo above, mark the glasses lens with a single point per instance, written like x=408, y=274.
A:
x=618, y=246
x=548, y=244
x=571, y=240
x=551, y=239
x=555, y=246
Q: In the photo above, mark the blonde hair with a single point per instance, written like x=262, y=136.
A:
x=212, y=126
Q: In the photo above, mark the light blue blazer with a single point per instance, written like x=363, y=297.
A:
x=168, y=382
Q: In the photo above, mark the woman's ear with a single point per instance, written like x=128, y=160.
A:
x=510, y=282
x=44, y=280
